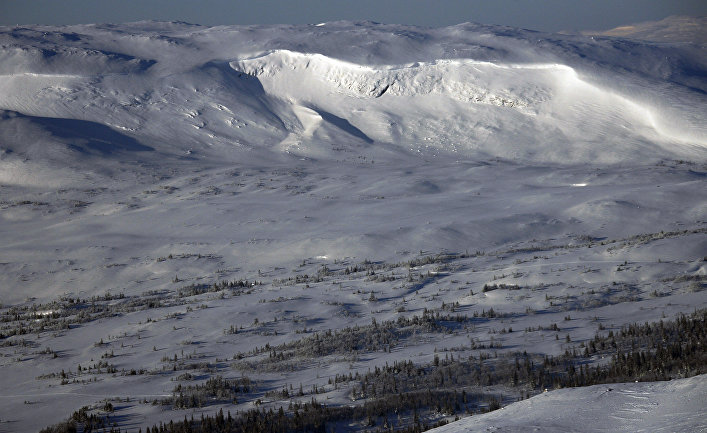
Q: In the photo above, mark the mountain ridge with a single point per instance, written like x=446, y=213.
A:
x=92, y=66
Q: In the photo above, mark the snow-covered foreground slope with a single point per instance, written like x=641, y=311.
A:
x=675, y=406
x=362, y=174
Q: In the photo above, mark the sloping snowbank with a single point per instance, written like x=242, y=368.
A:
x=675, y=406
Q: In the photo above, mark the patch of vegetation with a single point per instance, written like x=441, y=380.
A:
x=350, y=341
x=215, y=390
x=412, y=398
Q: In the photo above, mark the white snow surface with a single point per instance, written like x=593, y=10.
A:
x=674, y=406
x=140, y=158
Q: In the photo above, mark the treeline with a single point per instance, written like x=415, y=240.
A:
x=200, y=289
x=69, y=311
x=412, y=398
x=384, y=414
x=656, y=351
x=85, y=421
x=214, y=390
x=647, y=352
x=350, y=340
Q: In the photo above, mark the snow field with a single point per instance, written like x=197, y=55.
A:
x=142, y=162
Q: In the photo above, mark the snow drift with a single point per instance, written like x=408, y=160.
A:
x=650, y=407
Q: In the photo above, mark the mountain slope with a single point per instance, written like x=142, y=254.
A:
x=421, y=191
x=651, y=407
x=470, y=90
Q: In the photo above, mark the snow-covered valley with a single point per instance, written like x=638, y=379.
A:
x=181, y=203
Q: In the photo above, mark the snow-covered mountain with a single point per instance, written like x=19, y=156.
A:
x=470, y=90
x=358, y=172
x=671, y=29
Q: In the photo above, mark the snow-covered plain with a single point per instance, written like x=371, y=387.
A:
x=139, y=159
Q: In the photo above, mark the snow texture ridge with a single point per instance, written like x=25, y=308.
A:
x=464, y=80
x=547, y=96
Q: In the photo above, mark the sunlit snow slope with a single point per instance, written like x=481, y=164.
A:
x=469, y=90
x=528, y=111
x=641, y=407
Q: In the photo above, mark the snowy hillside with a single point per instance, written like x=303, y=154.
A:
x=181, y=203
x=655, y=407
